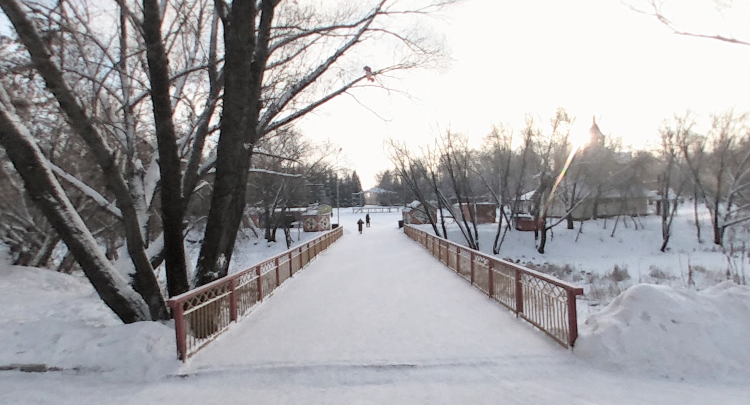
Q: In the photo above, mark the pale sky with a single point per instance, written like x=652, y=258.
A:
x=592, y=57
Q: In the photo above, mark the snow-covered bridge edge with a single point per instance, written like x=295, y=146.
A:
x=542, y=300
x=202, y=314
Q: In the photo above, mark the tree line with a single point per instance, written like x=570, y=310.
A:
x=544, y=171
x=126, y=123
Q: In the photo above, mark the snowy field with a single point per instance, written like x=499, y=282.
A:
x=375, y=319
x=606, y=259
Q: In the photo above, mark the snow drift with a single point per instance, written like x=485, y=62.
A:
x=58, y=321
x=673, y=333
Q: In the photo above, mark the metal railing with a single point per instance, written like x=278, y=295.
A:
x=202, y=314
x=542, y=300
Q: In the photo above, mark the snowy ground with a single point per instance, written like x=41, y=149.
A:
x=606, y=264
x=376, y=319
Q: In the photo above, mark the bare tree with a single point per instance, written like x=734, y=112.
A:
x=504, y=172
x=255, y=55
x=556, y=156
x=142, y=85
x=416, y=174
x=656, y=9
x=457, y=162
x=670, y=182
x=721, y=172
x=46, y=192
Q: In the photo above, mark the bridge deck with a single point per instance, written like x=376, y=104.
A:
x=369, y=301
x=376, y=319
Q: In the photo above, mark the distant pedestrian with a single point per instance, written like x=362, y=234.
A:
x=367, y=219
x=359, y=224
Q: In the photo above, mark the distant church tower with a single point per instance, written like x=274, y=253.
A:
x=596, y=137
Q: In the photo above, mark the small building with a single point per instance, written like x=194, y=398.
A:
x=486, y=212
x=317, y=219
x=604, y=204
x=524, y=222
x=655, y=200
x=416, y=214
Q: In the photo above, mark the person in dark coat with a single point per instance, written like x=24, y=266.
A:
x=359, y=224
x=367, y=220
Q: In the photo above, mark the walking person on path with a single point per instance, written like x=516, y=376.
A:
x=359, y=225
x=367, y=219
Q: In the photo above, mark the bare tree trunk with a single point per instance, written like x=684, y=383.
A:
x=543, y=238
x=496, y=242
x=169, y=161
x=718, y=230
x=246, y=56
x=440, y=207
x=696, y=217
x=41, y=259
x=144, y=280
x=46, y=192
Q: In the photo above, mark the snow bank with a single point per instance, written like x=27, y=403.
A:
x=673, y=333
x=58, y=320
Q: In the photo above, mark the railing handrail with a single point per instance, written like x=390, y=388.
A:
x=225, y=289
x=540, y=309
x=199, y=290
x=546, y=277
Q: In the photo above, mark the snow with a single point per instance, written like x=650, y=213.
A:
x=588, y=257
x=375, y=319
x=58, y=320
x=673, y=333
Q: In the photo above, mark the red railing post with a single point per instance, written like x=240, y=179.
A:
x=179, y=328
x=232, y=301
x=458, y=260
x=260, y=283
x=491, y=280
x=471, y=252
x=519, y=292
x=291, y=265
x=276, y=263
x=572, y=318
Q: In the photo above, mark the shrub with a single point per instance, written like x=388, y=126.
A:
x=619, y=274
x=658, y=274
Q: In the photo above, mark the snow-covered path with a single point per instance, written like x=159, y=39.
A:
x=376, y=320
x=369, y=303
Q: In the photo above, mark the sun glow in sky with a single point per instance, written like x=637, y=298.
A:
x=592, y=57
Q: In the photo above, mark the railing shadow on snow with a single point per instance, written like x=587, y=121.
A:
x=542, y=300
x=202, y=314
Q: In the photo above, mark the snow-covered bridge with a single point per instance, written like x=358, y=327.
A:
x=374, y=319
x=370, y=303
x=381, y=258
